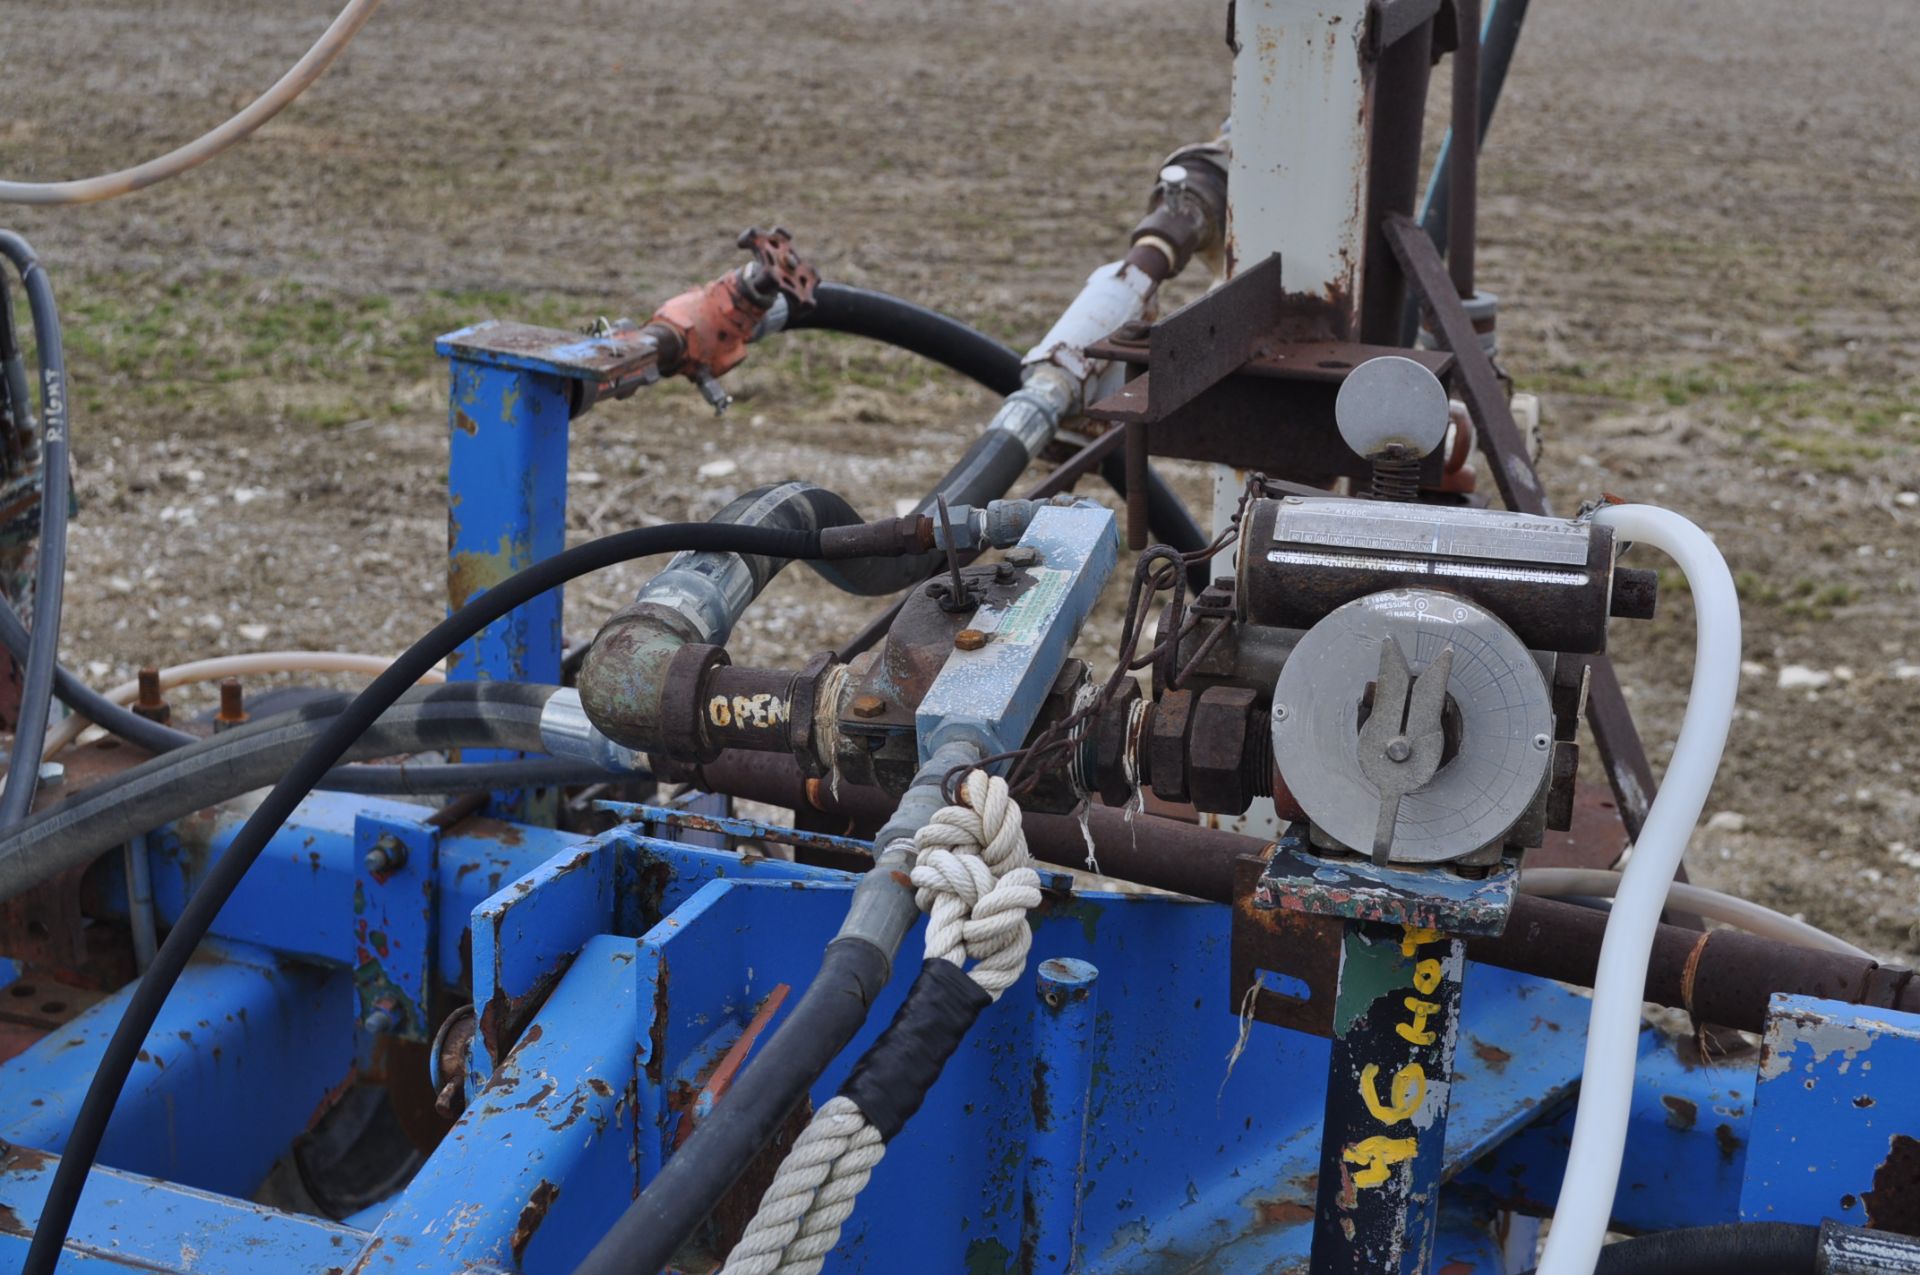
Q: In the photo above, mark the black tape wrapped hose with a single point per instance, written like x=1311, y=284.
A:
x=143, y=1006
x=36, y=678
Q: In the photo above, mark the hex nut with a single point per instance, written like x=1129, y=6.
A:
x=1166, y=752
x=1114, y=738
x=868, y=706
x=1218, y=773
x=970, y=639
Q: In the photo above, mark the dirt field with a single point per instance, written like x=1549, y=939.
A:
x=1701, y=217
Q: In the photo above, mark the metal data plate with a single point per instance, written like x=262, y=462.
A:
x=1429, y=531
x=1502, y=703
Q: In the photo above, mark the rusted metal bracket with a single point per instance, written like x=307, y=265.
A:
x=1628, y=770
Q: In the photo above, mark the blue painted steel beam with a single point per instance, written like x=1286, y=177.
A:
x=506, y=510
x=1686, y=1143
x=242, y=1057
x=539, y=1164
x=133, y=1223
x=1836, y=1120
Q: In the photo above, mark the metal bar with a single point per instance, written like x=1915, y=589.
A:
x=1499, y=38
x=1389, y=1077
x=1393, y=172
x=1625, y=757
x=730, y=826
x=506, y=510
x=1464, y=169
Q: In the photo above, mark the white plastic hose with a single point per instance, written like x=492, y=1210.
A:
x=1613, y=1024
x=263, y=108
x=1728, y=909
x=212, y=670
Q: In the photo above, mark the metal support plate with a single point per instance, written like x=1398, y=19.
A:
x=395, y=919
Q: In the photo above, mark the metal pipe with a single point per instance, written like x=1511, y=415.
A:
x=1733, y=974
x=1463, y=173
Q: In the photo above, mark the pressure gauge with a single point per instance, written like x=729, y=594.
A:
x=1413, y=725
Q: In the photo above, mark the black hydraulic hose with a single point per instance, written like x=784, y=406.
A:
x=831, y=1010
x=36, y=680
x=994, y=366
x=1734, y=1248
x=838, y=307
x=143, y=1006
x=153, y=737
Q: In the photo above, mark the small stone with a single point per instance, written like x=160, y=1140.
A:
x=1842, y=673
x=1906, y=672
x=1727, y=821
x=1750, y=668
x=253, y=632
x=1908, y=498
x=718, y=468
x=1798, y=677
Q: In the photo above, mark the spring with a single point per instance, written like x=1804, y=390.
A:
x=1396, y=475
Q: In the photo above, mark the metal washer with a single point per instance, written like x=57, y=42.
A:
x=1505, y=714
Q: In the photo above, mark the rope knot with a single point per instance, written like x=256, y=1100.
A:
x=973, y=879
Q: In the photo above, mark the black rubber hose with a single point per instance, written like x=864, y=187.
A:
x=36, y=678
x=177, y=783
x=1734, y=1248
x=838, y=307
x=832, y=1009
x=143, y=1006
x=994, y=366
x=384, y=780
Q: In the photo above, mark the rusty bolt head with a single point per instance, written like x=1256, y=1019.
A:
x=868, y=706
x=969, y=640
x=233, y=709
x=1221, y=756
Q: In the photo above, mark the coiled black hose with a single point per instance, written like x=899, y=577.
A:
x=36, y=680
x=143, y=1007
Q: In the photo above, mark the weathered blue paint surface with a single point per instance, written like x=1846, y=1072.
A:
x=1065, y=1054
x=1686, y=1140
x=1836, y=1119
x=241, y=1058
x=396, y=914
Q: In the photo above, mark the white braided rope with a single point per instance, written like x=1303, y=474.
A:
x=973, y=879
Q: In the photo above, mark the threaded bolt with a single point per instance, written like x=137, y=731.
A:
x=233, y=708
x=868, y=706
x=382, y=1019
x=388, y=854
x=151, y=705
x=1023, y=555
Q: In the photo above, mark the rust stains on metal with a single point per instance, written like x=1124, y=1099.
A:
x=1728, y=1141
x=531, y=1217
x=1282, y=1212
x=720, y=1079
x=1491, y=1054
x=1894, y=1203
x=1682, y=1113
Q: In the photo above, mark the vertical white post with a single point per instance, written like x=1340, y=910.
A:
x=1297, y=182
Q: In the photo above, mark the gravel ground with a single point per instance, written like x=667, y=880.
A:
x=1700, y=217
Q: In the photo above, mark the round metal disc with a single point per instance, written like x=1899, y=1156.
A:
x=1505, y=717
x=1391, y=400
